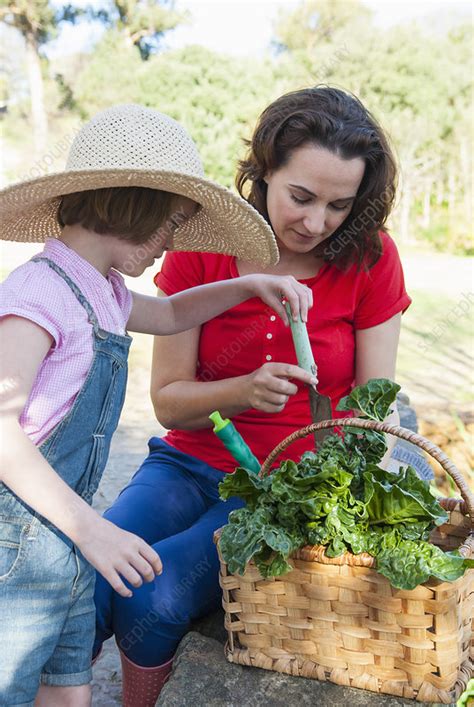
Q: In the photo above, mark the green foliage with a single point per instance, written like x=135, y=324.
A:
x=388, y=503
x=248, y=487
x=142, y=23
x=110, y=76
x=448, y=231
x=33, y=18
x=340, y=498
x=418, y=561
x=467, y=696
x=416, y=82
x=217, y=98
x=316, y=23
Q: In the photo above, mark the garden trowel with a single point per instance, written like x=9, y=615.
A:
x=320, y=405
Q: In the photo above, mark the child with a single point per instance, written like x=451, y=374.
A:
x=132, y=188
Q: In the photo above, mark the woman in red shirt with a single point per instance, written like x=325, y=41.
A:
x=320, y=170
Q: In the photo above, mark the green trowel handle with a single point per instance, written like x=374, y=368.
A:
x=300, y=336
x=234, y=443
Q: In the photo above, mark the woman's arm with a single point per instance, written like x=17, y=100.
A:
x=179, y=400
x=191, y=308
x=376, y=357
x=182, y=402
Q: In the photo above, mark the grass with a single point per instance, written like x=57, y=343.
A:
x=435, y=368
x=436, y=352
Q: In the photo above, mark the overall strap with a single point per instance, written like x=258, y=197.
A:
x=80, y=297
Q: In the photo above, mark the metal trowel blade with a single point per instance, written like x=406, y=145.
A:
x=320, y=406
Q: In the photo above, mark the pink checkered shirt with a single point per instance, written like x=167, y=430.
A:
x=34, y=291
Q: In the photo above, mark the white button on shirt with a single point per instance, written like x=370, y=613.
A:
x=268, y=357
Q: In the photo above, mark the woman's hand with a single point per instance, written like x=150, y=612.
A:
x=117, y=554
x=269, y=388
x=272, y=289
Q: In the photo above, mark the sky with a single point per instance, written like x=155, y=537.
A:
x=224, y=26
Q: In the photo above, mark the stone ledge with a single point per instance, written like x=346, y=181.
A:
x=202, y=677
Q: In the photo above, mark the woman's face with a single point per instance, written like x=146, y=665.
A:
x=310, y=196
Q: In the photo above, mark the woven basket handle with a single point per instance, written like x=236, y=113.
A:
x=449, y=503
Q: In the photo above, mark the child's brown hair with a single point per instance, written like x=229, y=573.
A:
x=131, y=213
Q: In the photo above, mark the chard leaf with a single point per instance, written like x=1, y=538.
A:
x=244, y=484
x=371, y=445
x=399, y=498
x=412, y=563
x=274, y=566
x=239, y=541
x=337, y=450
x=317, y=533
x=373, y=399
x=250, y=533
x=336, y=547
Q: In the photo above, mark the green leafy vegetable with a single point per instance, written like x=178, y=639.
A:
x=373, y=399
x=412, y=563
x=254, y=534
x=467, y=696
x=340, y=498
x=403, y=497
x=249, y=487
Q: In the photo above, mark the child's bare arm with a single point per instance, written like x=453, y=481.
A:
x=190, y=308
x=114, y=552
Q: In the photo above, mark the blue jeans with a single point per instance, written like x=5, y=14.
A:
x=173, y=503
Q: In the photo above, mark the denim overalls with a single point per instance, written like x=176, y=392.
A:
x=47, y=614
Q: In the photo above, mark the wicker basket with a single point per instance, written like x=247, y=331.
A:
x=338, y=619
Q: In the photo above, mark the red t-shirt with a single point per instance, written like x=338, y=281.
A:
x=245, y=337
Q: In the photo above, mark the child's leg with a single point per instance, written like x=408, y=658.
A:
x=67, y=673
x=162, y=499
x=77, y=696
x=149, y=625
x=39, y=573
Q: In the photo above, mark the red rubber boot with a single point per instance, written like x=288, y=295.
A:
x=141, y=686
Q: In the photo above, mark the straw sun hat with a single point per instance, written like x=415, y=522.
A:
x=129, y=145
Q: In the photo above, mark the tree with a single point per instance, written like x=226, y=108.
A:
x=217, y=98
x=142, y=23
x=317, y=22
x=36, y=21
x=418, y=84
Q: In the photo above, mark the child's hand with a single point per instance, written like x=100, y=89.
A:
x=272, y=289
x=116, y=553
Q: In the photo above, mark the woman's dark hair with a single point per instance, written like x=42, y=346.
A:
x=337, y=121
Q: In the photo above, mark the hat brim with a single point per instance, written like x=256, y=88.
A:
x=225, y=223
